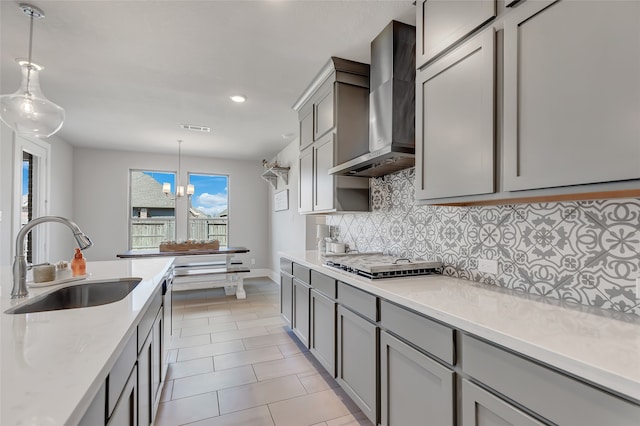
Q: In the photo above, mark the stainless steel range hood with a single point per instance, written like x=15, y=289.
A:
x=391, y=105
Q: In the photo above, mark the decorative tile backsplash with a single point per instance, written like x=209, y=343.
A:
x=586, y=252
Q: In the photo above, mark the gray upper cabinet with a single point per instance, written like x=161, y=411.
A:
x=323, y=193
x=455, y=121
x=323, y=110
x=443, y=23
x=334, y=128
x=306, y=127
x=306, y=182
x=572, y=93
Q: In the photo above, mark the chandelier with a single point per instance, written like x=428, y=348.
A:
x=180, y=192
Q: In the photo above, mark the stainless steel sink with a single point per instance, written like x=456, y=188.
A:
x=93, y=293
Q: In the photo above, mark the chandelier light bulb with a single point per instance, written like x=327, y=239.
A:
x=28, y=112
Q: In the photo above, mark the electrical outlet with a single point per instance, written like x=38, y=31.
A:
x=488, y=266
x=253, y=261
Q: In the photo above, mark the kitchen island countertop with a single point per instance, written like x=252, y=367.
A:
x=588, y=343
x=53, y=363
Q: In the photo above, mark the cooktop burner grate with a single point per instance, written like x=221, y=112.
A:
x=380, y=267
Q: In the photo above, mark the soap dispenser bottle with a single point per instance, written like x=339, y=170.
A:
x=78, y=264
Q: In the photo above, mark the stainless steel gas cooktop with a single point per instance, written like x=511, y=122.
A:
x=377, y=266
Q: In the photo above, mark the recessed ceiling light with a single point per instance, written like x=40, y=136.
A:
x=196, y=128
x=238, y=98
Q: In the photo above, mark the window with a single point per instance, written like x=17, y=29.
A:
x=208, y=208
x=153, y=213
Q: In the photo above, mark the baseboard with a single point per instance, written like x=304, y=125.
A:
x=262, y=272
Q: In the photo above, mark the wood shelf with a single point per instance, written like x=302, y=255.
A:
x=272, y=174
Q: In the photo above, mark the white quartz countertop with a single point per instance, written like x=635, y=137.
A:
x=591, y=345
x=53, y=363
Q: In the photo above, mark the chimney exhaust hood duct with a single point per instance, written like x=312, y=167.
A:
x=391, y=105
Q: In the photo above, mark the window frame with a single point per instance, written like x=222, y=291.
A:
x=189, y=204
x=130, y=217
x=41, y=152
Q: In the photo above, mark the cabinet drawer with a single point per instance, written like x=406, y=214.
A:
x=302, y=273
x=120, y=372
x=323, y=284
x=149, y=317
x=422, y=332
x=286, y=265
x=554, y=396
x=357, y=300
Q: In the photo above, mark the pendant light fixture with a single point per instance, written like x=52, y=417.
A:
x=28, y=112
x=166, y=187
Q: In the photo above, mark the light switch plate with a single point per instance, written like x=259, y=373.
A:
x=488, y=266
x=638, y=288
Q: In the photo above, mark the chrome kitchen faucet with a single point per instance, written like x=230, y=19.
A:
x=20, y=263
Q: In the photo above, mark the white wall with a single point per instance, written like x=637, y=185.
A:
x=101, y=199
x=288, y=227
x=59, y=203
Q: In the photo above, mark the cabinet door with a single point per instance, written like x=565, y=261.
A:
x=306, y=128
x=455, y=122
x=324, y=110
x=125, y=412
x=305, y=187
x=156, y=360
x=413, y=387
x=443, y=23
x=301, y=311
x=145, y=402
x=479, y=407
x=322, y=339
x=572, y=93
x=358, y=361
x=324, y=182
x=286, y=297
x=94, y=415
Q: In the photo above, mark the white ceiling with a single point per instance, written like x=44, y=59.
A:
x=128, y=73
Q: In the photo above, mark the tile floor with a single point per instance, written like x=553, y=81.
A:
x=235, y=362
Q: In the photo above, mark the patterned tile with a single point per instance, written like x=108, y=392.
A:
x=584, y=252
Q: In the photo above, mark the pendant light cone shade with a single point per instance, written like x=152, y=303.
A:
x=28, y=112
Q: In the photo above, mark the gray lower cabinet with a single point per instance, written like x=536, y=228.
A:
x=125, y=412
x=481, y=408
x=286, y=297
x=156, y=361
x=570, y=94
x=145, y=406
x=357, y=352
x=549, y=394
x=95, y=413
x=414, y=389
x=301, y=311
x=322, y=339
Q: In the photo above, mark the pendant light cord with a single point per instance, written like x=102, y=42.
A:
x=30, y=49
